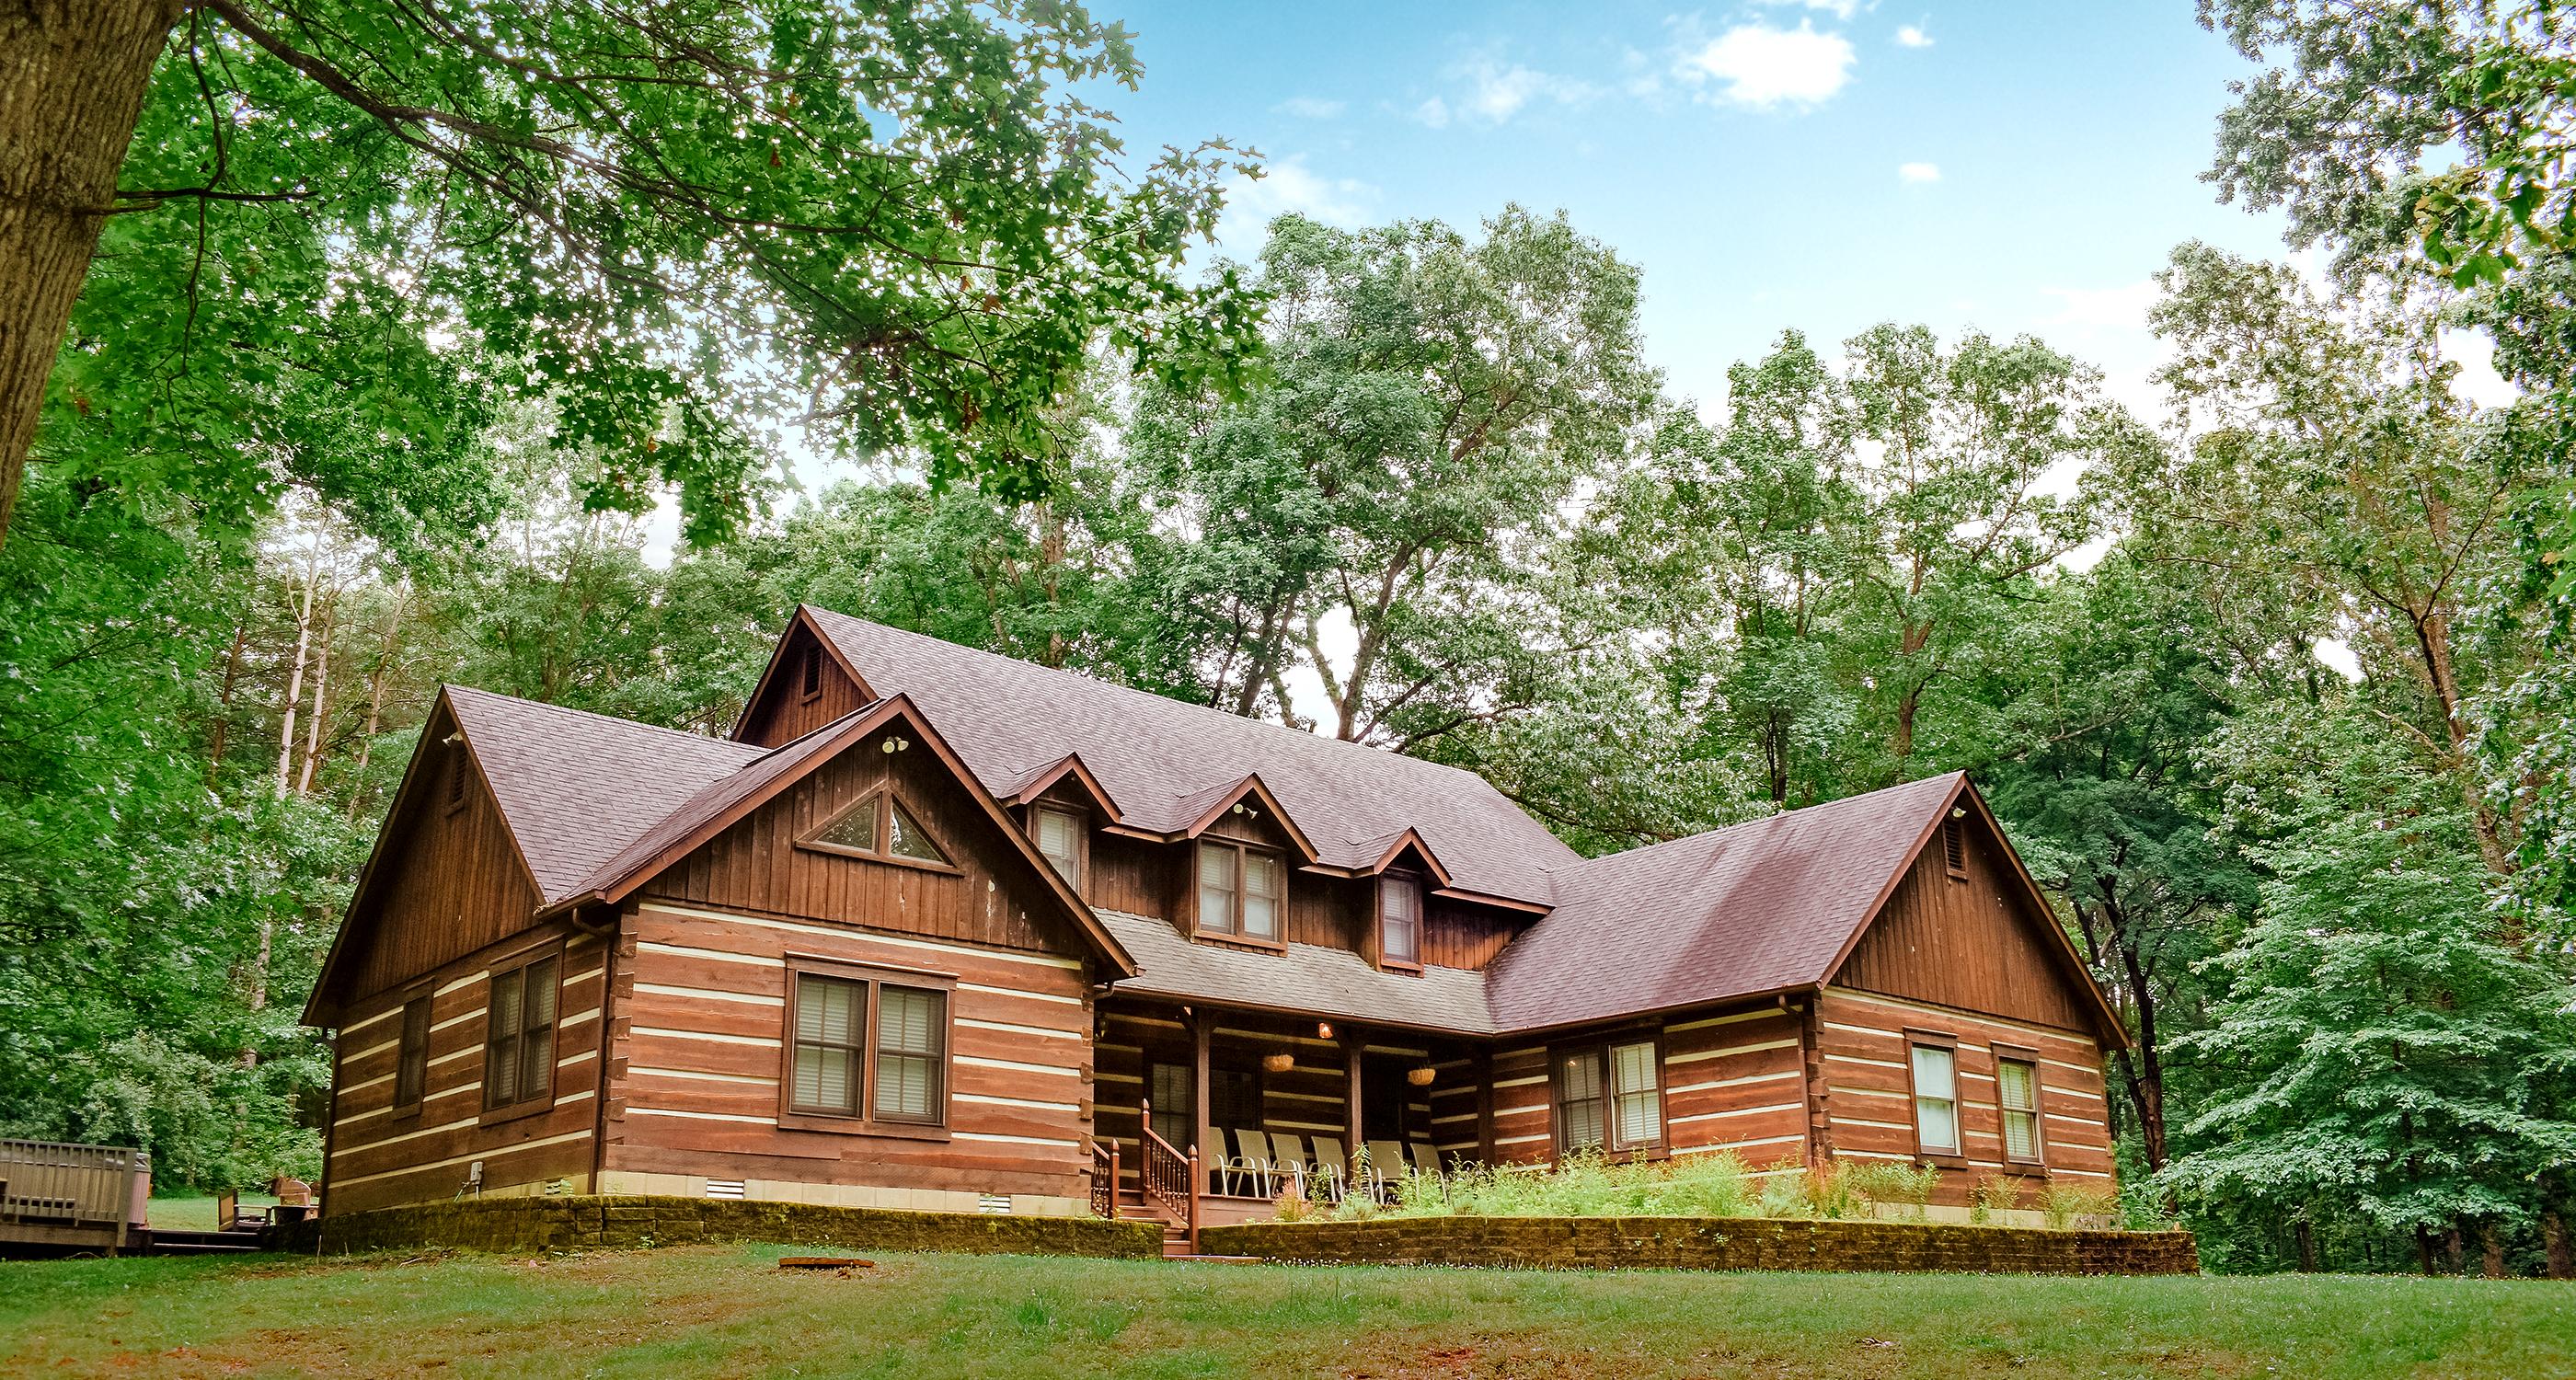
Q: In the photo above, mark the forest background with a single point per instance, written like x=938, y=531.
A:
x=406, y=317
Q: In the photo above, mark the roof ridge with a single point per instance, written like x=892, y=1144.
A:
x=1204, y=709
x=1743, y=824
x=452, y=688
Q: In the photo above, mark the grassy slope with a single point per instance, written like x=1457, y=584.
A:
x=725, y=1311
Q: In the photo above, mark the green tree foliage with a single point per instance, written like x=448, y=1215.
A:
x=2393, y=1058
x=348, y=228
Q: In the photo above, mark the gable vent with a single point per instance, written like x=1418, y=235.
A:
x=1954, y=844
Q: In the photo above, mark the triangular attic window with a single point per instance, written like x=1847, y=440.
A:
x=855, y=829
x=908, y=840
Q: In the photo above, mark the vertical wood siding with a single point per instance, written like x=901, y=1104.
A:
x=1970, y=943
x=756, y=867
x=449, y=883
x=785, y=714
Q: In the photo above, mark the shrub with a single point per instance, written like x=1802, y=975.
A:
x=1885, y=1183
x=2066, y=1205
x=1291, y=1205
x=1990, y=1194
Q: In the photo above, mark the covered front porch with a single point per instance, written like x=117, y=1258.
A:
x=1210, y=1113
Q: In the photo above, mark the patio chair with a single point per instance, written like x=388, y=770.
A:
x=1425, y=1159
x=1288, y=1157
x=1386, y=1165
x=1332, y=1169
x=1250, y=1160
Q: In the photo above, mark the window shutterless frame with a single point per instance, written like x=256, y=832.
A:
x=2017, y=1082
x=1605, y=1088
x=522, y=1004
x=1233, y=885
x=1061, y=839
x=1919, y=1092
x=411, y=1057
x=1399, y=921
x=890, y=1032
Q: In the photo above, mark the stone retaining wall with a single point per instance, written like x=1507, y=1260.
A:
x=535, y=1226
x=1705, y=1243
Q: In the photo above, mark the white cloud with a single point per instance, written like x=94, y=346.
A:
x=1912, y=36
x=1310, y=108
x=1918, y=172
x=1495, y=92
x=1287, y=185
x=1761, y=66
x=1839, y=9
x=1433, y=112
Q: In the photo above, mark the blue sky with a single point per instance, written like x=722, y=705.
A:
x=2009, y=167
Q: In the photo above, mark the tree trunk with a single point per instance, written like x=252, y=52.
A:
x=295, y=679
x=2553, y=1240
x=376, y=692
x=2424, y=1248
x=2491, y=1250
x=321, y=701
x=2307, y=1246
x=72, y=79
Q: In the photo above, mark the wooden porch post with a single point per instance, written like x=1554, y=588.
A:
x=1202, y=1135
x=1352, y=1141
x=1485, y=1107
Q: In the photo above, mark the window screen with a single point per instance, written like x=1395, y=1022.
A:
x=1175, y=1111
x=910, y=1028
x=1060, y=842
x=1261, y=892
x=2017, y=1091
x=1639, y=1111
x=411, y=1069
x=1578, y=1091
x=1400, y=902
x=519, y=1035
x=1216, y=888
x=828, y=1016
x=1936, y=1098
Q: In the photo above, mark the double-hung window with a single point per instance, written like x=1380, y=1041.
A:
x=1242, y=892
x=867, y=1050
x=519, y=1036
x=1936, y=1098
x=1609, y=1097
x=1059, y=840
x=411, y=1061
x=1399, y=919
x=2017, y=1098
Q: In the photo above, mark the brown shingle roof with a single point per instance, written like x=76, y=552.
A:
x=577, y=787
x=1758, y=907
x=1159, y=756
x=1307, y=980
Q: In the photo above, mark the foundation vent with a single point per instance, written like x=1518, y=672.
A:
x=998, y=1203
x=724, y=1188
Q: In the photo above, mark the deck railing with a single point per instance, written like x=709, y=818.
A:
x=1170, y=1177
x=52, y=1191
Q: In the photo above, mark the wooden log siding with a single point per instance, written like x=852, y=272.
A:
x=1732, y=1083
x=701, y=1044
x=379, y=1156
x=1524, y=1116
x=1865, y=1049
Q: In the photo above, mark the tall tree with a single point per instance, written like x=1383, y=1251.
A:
x=898, y=218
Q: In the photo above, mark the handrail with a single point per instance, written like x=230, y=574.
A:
x=1104, y=1179
x=1168, y=1176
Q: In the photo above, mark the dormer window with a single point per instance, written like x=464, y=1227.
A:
x=1399, y=920
x=1241, y=891
x=1059, y=839
x=880, y=828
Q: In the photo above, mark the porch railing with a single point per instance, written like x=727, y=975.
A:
x=1104, y=1179
x=1170, y=1177
x=49, y=1188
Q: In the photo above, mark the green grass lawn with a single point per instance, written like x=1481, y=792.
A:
x=726, y=1311
x=196, y=1214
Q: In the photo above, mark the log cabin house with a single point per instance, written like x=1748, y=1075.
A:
x=938, y=929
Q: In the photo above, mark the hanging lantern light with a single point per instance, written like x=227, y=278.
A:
x=1419, y=1076
x=1280, y=1062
